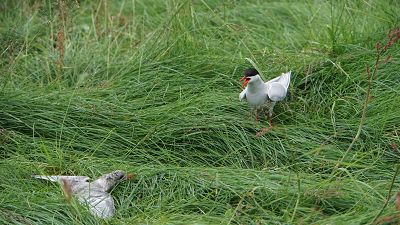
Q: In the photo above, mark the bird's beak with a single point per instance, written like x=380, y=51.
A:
x=128, y=176
x=245, y=81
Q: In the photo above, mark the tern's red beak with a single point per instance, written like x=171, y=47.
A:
x=245, y=81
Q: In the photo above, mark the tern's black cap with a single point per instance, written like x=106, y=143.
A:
x=250, y=72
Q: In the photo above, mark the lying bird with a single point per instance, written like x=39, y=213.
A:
x=257, y=93
x=94, y=194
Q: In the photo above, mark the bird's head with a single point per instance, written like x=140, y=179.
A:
x=250, y=75
x=111, y=179
x=108, y=181
x=116, y=175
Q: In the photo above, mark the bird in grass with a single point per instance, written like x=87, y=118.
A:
x=93, y=194
x=258, y=93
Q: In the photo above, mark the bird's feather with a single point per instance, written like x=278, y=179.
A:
x=242, y=94
x=94, y=194
x=58, y=178
x=99, y=202
x=283, y=79
x=277, y=87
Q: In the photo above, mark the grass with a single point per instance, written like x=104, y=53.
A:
x=151, y=87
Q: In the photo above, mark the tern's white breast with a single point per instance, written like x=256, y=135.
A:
x=256, y=95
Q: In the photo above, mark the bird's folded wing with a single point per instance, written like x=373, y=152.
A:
x=58, y=178
x=283, y=79
x=242, y=94
x=276, y=91
x=100, y=203
x=276, y=79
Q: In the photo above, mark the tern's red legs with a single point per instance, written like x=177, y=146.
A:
x=257, y=119
x=266, y=129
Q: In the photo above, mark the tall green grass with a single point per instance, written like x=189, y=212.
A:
x=151, y=87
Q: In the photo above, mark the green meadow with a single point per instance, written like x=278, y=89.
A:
x=152, y=87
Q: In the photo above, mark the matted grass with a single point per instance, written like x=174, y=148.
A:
x=151, y=87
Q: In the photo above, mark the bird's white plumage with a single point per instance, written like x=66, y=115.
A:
x=58, y=178
x=94, y=194
x=100, y=203
x=242, y=94
x=258, y=92
x=277, y=88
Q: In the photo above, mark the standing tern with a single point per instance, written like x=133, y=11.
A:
x=94, y=194
x=257, y=93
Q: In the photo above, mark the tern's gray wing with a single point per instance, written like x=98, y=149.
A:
x=276, y=92
x=73, y=183
x=273, y=80
x=277, y=88
x=99, y=202
x=58, y=178
x=283, y=79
